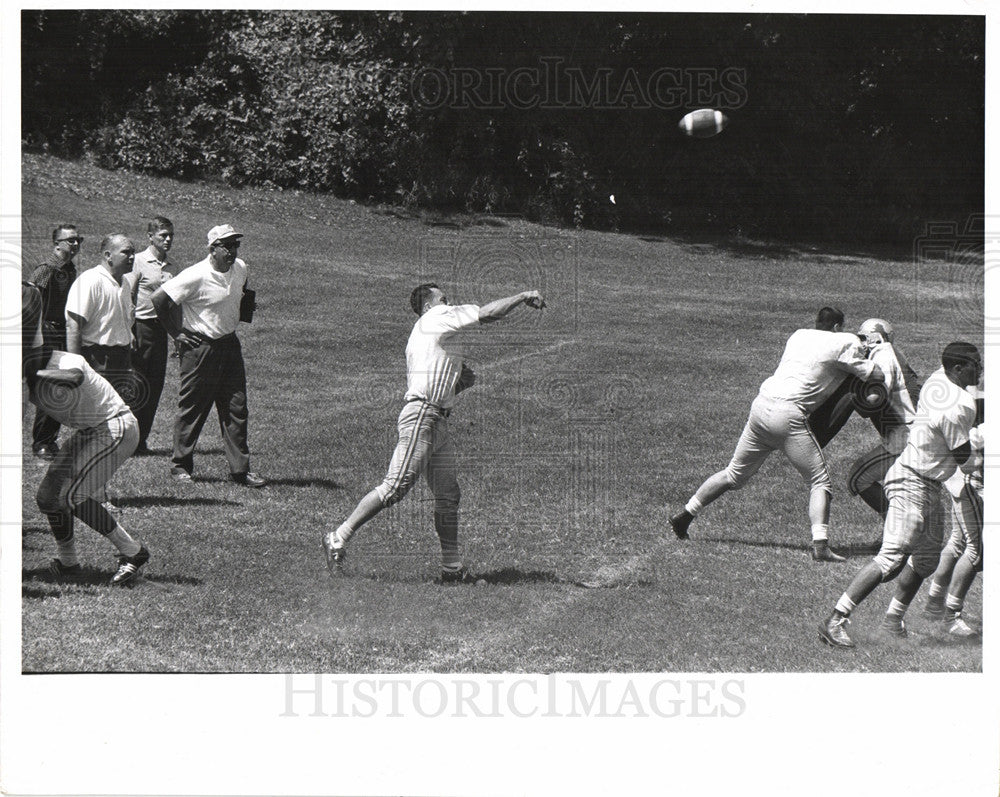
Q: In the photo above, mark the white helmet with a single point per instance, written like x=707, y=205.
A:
x=875, y=331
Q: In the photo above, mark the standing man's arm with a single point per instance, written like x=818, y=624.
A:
x=170, y=315
x=74, y=334
x=494, y=311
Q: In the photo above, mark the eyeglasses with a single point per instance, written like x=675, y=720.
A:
x=230, y=244
x=74, y=240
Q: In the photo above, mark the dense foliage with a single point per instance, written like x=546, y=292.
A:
x=840, y=125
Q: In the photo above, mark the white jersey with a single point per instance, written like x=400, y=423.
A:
x=105, y=307
x=898, y=381
x=209, y=299
x=946, y=415
x=92, y=403
x=956, y=482
x=434, y=353
x=813, y=365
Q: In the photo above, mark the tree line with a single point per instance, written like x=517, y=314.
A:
x=865, y=127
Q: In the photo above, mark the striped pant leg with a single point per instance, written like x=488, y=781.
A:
x=413, y=450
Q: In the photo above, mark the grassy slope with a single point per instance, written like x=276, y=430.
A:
x=588, y=425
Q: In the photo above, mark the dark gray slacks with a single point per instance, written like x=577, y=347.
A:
x=212, y=374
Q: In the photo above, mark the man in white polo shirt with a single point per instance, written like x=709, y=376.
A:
x=211, y=361
x=152, y=268
x=99, y=312
x=814, y=364
x=939, y=442
x=435, y=373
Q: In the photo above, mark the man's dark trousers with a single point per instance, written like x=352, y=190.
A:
x=149, y=359
x=212, y=373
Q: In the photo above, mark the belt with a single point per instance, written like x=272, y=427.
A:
x=206, y=339
x=445, y=411
x=102, y=347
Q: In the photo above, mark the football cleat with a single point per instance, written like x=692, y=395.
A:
x=128, y=568
x=833, y=633
x=821, y=553
x=958, y=627
x=61, y=572
x=894, y=626
x=458, y=575
x=335, y=554
x=680, y=522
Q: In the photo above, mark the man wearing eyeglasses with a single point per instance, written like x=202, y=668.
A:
x=53, y=278
x=200, y=309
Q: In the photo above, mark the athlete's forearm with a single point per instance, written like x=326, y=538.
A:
x=73, y=335
x=166, y=311
x=494, y=311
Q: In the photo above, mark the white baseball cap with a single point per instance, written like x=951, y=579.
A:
x=877, y=330
x=222, y=232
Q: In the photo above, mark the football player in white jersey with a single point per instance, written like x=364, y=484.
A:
x=435, y=373
x=814, y=364
x=106, y=433
x=939, y=442
x=962, y=556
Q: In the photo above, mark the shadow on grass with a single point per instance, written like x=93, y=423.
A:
x=172, y=500
x=512, y=575
x=306, y=481
x=88, y=577
x=850, y=551
x=163, y=579
x=38, y=594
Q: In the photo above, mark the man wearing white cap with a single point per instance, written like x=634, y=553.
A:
x=209, y=294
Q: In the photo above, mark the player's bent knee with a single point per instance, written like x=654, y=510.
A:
x=891, y=565
x=393, y=494
x=49, y=501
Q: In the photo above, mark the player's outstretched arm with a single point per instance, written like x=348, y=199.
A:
x=60, y=377
x=494, y=311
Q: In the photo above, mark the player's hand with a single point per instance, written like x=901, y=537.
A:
x=184, y=341
x=534, y=299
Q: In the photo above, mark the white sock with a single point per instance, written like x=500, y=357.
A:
x=693, y=507
x=66, y=552
x=935, y=590
x=820, y=532
x=342, y=535
x=452, y=567
x=123, y=542
x=954, y=604
x=896, y=609
x=845, y=605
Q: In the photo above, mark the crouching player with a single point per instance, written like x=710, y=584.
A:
x=962, y=556
x=105, y=435
x=939, y=442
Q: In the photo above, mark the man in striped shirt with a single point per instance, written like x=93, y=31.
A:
x=435, y=374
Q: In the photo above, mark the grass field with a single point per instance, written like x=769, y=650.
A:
x=590, y=423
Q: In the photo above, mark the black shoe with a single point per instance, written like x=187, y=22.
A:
x=458, y=576
x=128, y=568
x=335, y=555
x=249, y=479
x=142, y=450
x=61, y=572
x=46, y=451
x=822, y=553
x=833, y=633
x=680, y=522
x=180, y=475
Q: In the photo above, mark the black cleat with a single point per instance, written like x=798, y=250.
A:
x=46, y=451
x=822, y=553
x=128, y=568
x=249, y=479
x=335, y=554
x=833, y=633
x=680, y=522
x=459, y=575
x=61, y=572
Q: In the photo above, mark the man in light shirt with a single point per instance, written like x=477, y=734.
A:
x=435, y=373
x=814, y=364
x=211, y=361
x=939, y=442
x=149, y=358
x=99, y=313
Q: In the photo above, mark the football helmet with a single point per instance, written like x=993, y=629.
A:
x=875, y=331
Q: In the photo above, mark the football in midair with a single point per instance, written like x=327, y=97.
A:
x=703, y=123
